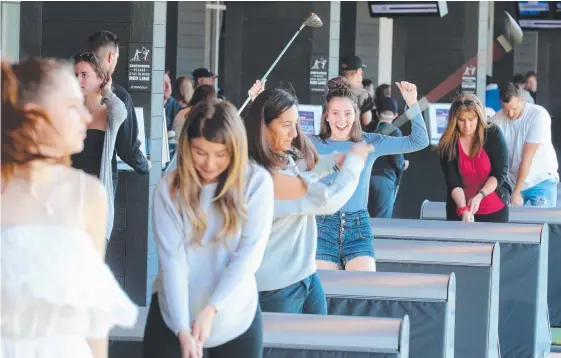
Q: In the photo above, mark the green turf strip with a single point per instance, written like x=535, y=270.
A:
x=556, y=335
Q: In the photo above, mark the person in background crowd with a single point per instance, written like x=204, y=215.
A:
x=182, y=90
x=474, y=161
x=532, y=84
x=369, y=87
x=59, y=298
x=345, y=238
x=382, y=91
x=532, y=158
x=387, y=170
x=108, y=113
x=203, y=76
x=492, y=99
x=205, y=93
x=105, y=45
x=212, y=218
x=202, y=93
x=352, y=69
x=287, y=280
x=520, y=80
x=171, y=105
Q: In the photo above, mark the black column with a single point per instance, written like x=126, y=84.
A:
x=31, y=28
x=347, y=33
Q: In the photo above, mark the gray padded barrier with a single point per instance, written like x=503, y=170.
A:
x=428, y=300
x=302, y=336
x=476, y=267
x=127, y=342
x=314, y=336
x=523, y=320
x=527, y=215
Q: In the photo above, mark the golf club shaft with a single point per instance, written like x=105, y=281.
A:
x=273, y=66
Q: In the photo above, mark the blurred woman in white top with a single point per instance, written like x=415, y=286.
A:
x=212, y=218
x=59, y=298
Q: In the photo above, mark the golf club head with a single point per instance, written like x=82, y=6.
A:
x=512, y=30
x=313, y=21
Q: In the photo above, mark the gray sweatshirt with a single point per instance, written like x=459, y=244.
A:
x=291, y=251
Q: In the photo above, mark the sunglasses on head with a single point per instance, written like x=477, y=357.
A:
x=87, y=57
x=467, y=102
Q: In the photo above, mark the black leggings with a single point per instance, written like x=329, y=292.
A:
x=500, y=216
x=160, y=342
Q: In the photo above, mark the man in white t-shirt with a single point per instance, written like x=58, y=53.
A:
x=532, y=160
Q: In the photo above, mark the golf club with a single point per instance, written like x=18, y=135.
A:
x=312, y=21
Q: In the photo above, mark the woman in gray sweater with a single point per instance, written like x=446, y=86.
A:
x=108, y=113
x=287, y=279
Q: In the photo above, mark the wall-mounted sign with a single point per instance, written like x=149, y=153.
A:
x=310, y=118
x=319, y=67
x=139, y=67
x=469, y=79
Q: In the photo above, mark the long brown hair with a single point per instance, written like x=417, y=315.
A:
x=268, y=106
x=216, y=121
x=338, y=87
x=448, y=144
x=25, y=83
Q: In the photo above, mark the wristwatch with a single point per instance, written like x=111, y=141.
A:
x=482, y=194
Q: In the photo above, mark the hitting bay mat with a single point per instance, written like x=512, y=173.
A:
x=428, y=299
x=527, y=215
x=524, y=329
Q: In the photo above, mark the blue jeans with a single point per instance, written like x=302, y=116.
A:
x=344, y=236
x=381, y=198
x=304, y=296
x=543, y=194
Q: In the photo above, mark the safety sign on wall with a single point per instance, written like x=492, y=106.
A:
x=319, y=67
x=469, y=79
x=139, y=67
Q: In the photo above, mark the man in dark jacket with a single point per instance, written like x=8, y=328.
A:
x=388, y=169
x=105, y=45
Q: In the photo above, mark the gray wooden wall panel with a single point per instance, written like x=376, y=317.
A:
x=190, y=36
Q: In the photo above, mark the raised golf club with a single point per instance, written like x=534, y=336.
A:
x=312, y=21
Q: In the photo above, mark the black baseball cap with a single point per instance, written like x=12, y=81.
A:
x=386, y=104
x=203, y=73
x=351, y=63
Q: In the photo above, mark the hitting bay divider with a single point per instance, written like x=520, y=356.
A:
x=527, y=215
x=305, y=335
x=302, y=336
x=476, y=268
x=428, y=300
x=523, y=320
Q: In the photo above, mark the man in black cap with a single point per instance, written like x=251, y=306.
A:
x=203, y=76
x=387, y=169
x=352, y=70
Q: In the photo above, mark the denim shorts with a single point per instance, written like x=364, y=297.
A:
x=306, y=296
x=344, y=236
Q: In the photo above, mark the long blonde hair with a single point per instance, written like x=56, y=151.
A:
x=448, y=144
x=216, y=121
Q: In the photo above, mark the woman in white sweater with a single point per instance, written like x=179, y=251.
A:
x=212, y=218
x=287, y=279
